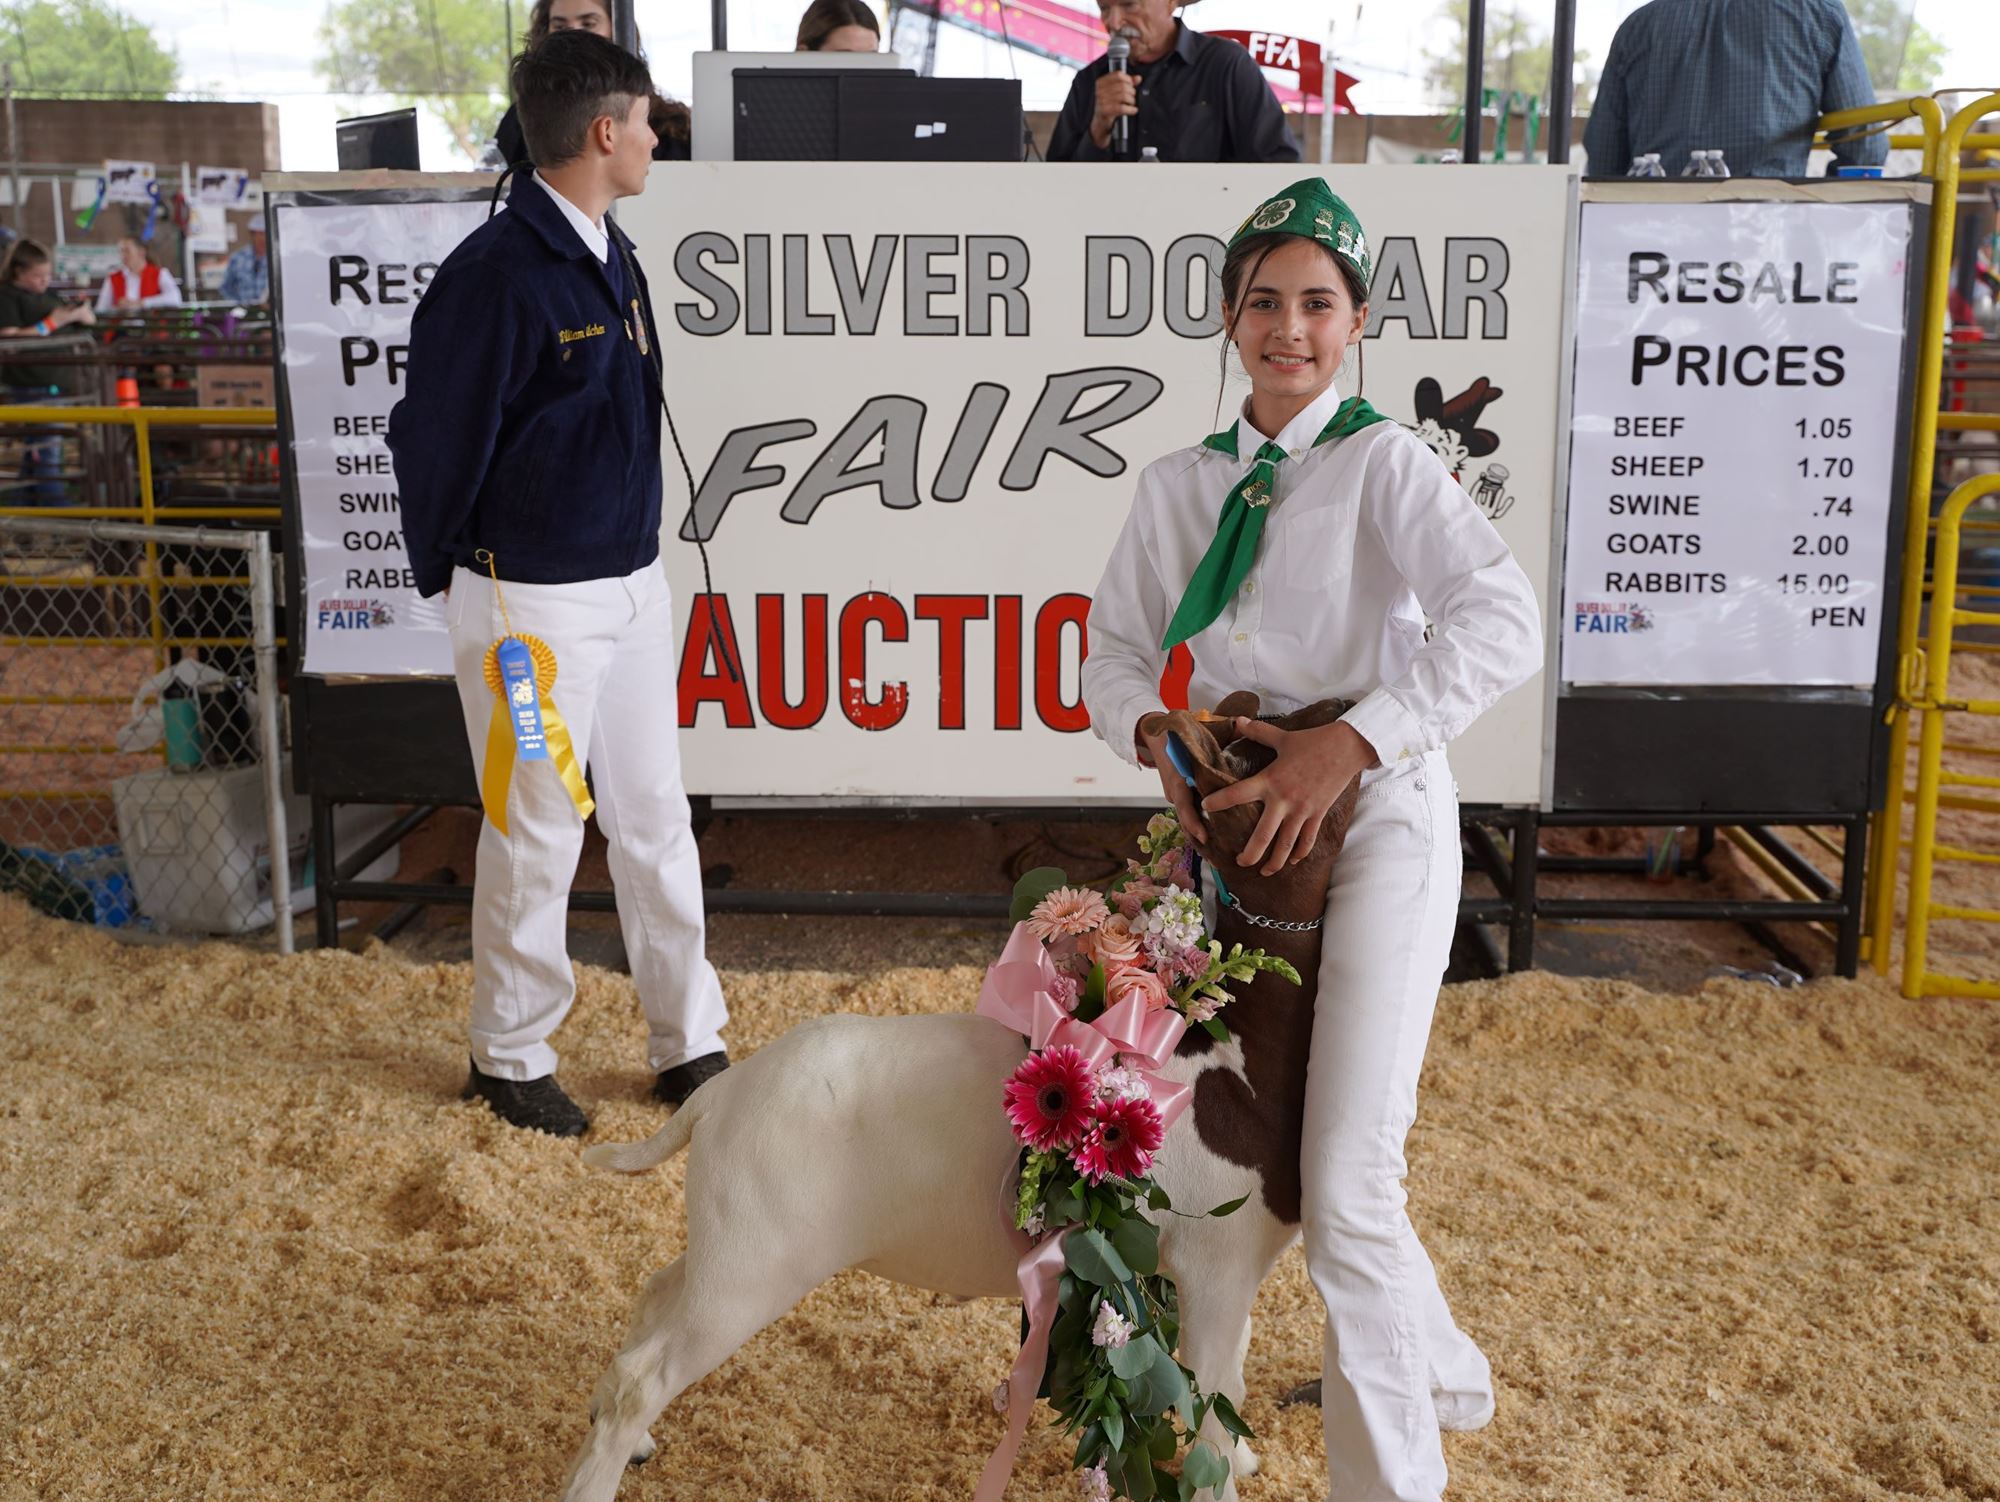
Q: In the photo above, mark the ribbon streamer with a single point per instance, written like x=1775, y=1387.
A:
x=1039, y=1273
x=1017, y=995
x=501, y=749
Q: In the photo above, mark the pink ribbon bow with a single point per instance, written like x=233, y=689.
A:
x=1018, y=993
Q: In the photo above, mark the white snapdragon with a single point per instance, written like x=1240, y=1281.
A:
x=1122, y=1083
x=1112, y=1329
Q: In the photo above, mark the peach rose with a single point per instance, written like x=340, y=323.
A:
x=1112, y=942
x=1126, y=981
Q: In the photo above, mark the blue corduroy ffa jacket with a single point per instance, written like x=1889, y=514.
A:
x=530, y=421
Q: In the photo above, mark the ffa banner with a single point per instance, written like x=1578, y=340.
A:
x=914, y=402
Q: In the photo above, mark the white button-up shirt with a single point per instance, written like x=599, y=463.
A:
x=592, y=234
x=1368, y=537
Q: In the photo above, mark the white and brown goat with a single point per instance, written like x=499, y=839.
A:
x=900, y=1178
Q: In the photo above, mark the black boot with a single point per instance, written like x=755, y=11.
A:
x=538, y=1105
x=675, y=1085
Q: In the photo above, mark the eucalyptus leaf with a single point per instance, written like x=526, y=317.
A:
x=1092, y=1258
x=1138, y=1242
x=1215, y=1029
x=1164, y=1441
x=1032, y=888
x=1205, y=1467
x=1156, y=1197
x=1134, y=1357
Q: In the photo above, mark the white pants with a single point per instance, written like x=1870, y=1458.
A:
x=1394, y=1357
x=615, y=677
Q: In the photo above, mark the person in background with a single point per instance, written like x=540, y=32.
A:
x=28, y=309
x=667, y=117
x=1748, y=77
x=138, y=282
x=839, y=26
x=246, y=280
x=1193, y=98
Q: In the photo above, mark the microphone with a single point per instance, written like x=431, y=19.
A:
x=1119, y=56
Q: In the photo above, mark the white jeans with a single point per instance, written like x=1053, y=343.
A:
x=1394, y=1357
x=615, y=687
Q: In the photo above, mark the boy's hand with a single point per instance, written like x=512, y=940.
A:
x=1314, y=767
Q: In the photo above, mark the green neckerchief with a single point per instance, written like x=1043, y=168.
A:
x=1220, y=573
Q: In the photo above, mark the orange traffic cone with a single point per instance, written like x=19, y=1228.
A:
x=128, y=391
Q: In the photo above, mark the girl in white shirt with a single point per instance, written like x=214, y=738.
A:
x=1299, y=554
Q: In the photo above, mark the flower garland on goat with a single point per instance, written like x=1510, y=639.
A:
x=1137, y=962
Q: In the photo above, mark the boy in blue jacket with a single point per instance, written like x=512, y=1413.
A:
x=527, y=446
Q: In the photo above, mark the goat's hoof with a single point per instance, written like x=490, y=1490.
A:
x=1305, y=1392
x=646, y=1450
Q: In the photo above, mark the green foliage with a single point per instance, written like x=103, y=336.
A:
x=1903, y=55
x=85, y=47
x=449, y=55
x=1133, y=1407
x=1032, y=888
x=1519, y=57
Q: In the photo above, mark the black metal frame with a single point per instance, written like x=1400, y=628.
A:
x=1515, y=871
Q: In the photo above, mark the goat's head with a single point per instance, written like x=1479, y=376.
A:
x=1218, y=756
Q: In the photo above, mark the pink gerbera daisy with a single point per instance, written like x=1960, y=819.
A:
x=1067, y=910
x=1049, y=1098
x=1122, y=1142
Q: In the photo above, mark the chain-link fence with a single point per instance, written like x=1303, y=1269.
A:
x=140, y=762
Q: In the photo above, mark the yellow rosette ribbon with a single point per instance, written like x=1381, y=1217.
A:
x=504, y=733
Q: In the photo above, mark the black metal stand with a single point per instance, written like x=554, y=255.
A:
x=1513, y=867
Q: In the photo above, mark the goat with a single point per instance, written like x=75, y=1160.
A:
x=861, y=1142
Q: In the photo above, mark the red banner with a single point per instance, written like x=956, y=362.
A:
x=1306, y=60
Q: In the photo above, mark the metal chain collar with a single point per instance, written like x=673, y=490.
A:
x=1280, y=924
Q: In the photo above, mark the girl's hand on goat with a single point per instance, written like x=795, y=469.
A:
x=1313, y=769
x=1152, y=740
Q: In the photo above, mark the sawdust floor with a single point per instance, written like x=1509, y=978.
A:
x=1730, y=1245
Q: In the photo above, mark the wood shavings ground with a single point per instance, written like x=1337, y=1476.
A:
x=1732, y=1245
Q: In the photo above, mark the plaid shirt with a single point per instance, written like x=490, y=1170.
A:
x=1749, y=76
x=247, y=278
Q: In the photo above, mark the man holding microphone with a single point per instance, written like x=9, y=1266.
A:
x=1192, y=98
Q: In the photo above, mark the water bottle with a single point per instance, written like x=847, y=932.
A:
x=1717, y=167
x=1697, y=165
x=1653, y=167
x=1638, y=167
x=1149, y=154
x=180, y=721
x=1449, y=157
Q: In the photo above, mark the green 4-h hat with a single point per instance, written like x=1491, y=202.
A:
x=1311, y=209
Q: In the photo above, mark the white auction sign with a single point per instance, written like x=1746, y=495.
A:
x=1733, y=449
x=915, y=401
x=349, y=275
